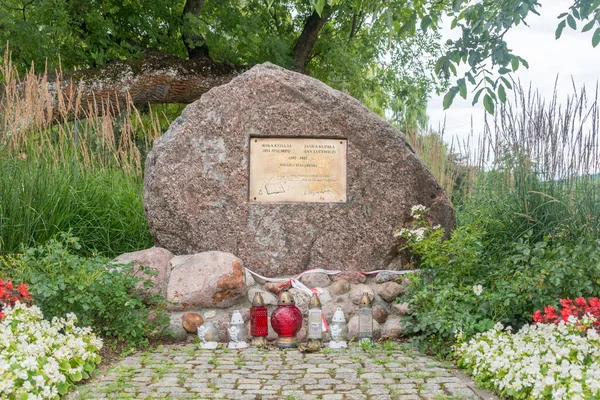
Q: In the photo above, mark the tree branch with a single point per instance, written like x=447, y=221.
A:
x=155, y=78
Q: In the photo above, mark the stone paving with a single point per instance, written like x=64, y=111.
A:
x=388, y=371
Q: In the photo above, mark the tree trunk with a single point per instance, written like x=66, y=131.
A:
x=155, y=78
x=308, y=38
x=194, y=42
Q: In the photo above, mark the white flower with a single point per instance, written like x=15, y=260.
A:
x=478, y=289
x=419, y=234
x=417, y=211
x=39, y=347
x=513, y=363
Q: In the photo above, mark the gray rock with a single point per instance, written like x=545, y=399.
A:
x=155, y=258
x=222, y=322
x=353, y=328
x=350, y=276
x=340, y=287
x=329, y=309
x=385, y=276
x=344, y=303
x=196, y=179
x=399, y=308
x=302, y=333
x=357, y=291
x=392, y=328
x=315, y=279
x=389, y=291
x=249, y=279
x=210, y=279
x=380, y=314
x=176, y=325
x=302, y=300
x=269, y=298
x=324, y=297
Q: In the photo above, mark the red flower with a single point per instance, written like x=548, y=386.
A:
x=537, y=316
x=549, y=310
x=580, y=301
x=9, y=285
x=594, y=302
x=566, y=313
x=22, y=288
x=1, y=315
x=566, y=302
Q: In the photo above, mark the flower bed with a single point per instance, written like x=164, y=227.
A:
x=41, y=359
x=541, y=361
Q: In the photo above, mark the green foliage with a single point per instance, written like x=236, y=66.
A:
x=382, y=52
x=83, y=176
x=528, y=226
x=372, y=50
x=515, y=281
x=87, y=34
x=482, y=49
x=110, y=298
x=38, y=199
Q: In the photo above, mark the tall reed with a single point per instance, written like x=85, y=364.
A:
x=60, y=173
x=535, y=170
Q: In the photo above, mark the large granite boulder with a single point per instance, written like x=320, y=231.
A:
x=196, y=183
x=205, y=280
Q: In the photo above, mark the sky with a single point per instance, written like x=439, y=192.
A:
x=570, y=57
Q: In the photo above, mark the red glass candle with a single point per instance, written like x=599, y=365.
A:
x=286, y=320
x=259, y=317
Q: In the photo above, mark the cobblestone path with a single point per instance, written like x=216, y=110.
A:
x=187, y=372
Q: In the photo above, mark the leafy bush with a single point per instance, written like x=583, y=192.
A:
x=542, y=361
x=43, y=358
x=110, y=298
x=466, y=285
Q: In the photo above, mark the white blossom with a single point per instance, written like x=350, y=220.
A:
x=555, y=361
x=417, y=211
x=39, y=347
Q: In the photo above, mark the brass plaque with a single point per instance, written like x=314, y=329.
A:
x=298, y=170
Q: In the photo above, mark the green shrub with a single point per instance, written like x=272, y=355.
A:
x=466, y=285
x=111, y=299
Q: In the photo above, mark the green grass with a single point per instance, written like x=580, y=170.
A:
x=103, y=208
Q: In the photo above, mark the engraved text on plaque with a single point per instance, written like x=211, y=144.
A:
x=298, y=170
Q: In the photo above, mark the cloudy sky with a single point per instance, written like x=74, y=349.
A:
x=570, y=57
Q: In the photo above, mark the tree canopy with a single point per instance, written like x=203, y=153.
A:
x=388, y=54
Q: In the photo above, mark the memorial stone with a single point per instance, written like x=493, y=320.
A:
x=287, y=174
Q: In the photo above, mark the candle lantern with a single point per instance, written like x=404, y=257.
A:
x=338, y=330
x=259, y=321
x=286, y=320
x=208, y=334
x=237, y=338
x=365, y=319
x=315, y=323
